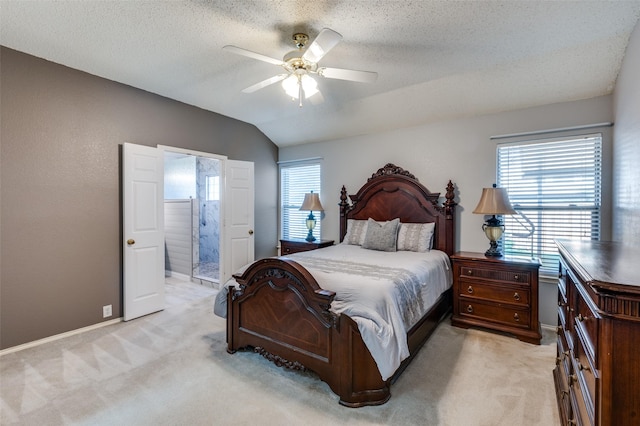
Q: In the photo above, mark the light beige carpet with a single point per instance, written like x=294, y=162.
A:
x=171, y=368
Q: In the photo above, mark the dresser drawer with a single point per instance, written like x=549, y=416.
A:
x=586, y=375
x=586, y=328
x=563, y=350
x=512, y=316
x=518, y=296
x=562, y=390
x=509, y=276
x=584, y=403
x=579, y=414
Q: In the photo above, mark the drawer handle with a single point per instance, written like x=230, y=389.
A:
x=581, y=318
x=469, y=271
x=516, y=277
x=470, y=309
x=572, y=379
x=516, y=317
x=516, y=296
x=583, y=367
x=470, y=290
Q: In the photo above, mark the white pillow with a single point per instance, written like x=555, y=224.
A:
x=356, y=231
x=416, y=236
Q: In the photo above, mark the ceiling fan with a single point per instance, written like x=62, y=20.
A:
x=301, y=63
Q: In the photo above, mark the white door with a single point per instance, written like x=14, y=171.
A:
x=143, y=230
x=239, y=217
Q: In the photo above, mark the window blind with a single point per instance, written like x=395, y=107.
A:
x=555, y=185
x=297, y=179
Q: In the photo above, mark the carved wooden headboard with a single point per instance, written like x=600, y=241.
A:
x=392, y=192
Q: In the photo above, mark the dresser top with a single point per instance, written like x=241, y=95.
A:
x=604, y=264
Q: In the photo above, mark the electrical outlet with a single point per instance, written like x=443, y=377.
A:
x=106, y=311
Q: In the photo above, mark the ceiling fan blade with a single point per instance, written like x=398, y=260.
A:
x=254, y=55
x=326, y=40
x=265, y=83
x=351, y=75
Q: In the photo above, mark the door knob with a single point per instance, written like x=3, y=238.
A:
x=250, y=231
x=131, y=241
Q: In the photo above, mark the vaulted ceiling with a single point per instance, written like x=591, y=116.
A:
x=436, y=60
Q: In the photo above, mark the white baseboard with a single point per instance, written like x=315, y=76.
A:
x=176, y=275
x=58, y=336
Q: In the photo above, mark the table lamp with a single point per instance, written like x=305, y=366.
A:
x=494, y=201
x=311, y=202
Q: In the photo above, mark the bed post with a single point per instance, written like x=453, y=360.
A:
x=344, y=207
x=449, y=210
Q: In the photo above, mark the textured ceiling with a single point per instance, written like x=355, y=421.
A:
x=435, y=60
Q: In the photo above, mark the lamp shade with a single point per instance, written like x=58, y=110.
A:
x=494, y=201
x=312, y=202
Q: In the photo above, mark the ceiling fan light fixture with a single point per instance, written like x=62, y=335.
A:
x=309, y=85
x=292, y=84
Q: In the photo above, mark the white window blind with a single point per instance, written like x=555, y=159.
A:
x=297, y=179
x=556, y=185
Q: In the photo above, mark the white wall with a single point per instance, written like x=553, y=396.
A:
x=460, y=150
x=626, y=218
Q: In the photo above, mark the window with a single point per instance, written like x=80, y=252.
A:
x=555, y=185
x=213, y=188
x=297, y=179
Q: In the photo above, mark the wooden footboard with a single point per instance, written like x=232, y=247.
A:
x=280, y=311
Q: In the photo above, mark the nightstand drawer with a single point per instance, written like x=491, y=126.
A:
x=514, y=317
x=509, y=276
x=518, y=296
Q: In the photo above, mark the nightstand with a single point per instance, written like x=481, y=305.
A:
x=498, y=293
x=296, y=246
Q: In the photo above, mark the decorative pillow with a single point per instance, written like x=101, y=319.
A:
x=356, y=231
x=381, y=236
x=415, y=236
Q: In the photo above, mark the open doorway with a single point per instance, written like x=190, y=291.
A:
x=143, y=223
x=192, y=208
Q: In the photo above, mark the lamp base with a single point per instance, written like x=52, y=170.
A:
x=311, y=223
x=493, y=250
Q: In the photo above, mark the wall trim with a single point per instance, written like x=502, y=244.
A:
x=58, y=336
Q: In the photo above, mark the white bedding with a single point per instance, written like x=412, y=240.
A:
x=385, y=293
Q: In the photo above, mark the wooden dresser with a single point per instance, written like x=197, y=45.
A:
x=296, y=246
x=499, y=293
x=597, y=373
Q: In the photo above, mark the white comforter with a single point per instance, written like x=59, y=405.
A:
x=385, y=293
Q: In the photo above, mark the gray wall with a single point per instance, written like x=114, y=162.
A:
x=460, y=150
x=626, y=188
x=61, y=133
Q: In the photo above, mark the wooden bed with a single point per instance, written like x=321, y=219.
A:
x=279, y=310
